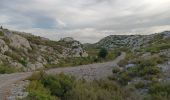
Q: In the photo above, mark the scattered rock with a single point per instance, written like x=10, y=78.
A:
x=18, y=90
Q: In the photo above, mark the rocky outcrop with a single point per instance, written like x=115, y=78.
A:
x=134, y=42
x=75, y=48
x=17, y=41
x=29, y=52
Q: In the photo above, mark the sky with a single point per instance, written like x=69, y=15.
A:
x=85, y=20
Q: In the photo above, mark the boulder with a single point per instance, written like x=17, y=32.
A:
x=16, y=64
x=17, y=41
x=3, y=46
x=34, y=66
x=41, y=60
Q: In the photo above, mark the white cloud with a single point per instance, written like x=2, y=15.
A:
x=85, y=20
x=4, y=19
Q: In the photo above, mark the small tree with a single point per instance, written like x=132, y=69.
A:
x=103, y=53
x=1, y=27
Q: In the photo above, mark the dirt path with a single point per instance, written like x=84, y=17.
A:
x=7, y=79
x=88, y=72
x=91, y=71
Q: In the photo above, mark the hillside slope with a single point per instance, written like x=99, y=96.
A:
x=29, y=52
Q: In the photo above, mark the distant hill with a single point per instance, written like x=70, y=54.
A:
x=135, y=42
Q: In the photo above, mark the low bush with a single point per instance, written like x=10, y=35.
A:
x=93, y=91
x=1, y=33
x=146, y=69
x=140, y=85
x=38, y=92
x=159, y=91
x=63, y=87
x=59, y=85
x=6, y=69
x=124, y=78
x=116, y=70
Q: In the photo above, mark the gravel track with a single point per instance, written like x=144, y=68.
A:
x=88, y=72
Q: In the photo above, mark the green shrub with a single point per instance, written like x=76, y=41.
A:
x=159, y=91
x=59, y=84
x=1, y=33
x=23, y=62
x=116, y=70
x=100, y=90
x=159, y=45
x=140, y=85
x=38, y=92
x=113, y=54
x=146, y=67
x=45, y=87
x=122, y=63
x=124, y=78
x=103, y=53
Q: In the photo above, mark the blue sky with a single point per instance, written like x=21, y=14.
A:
x=85, y=20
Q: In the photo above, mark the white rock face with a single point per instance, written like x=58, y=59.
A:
x=3, y=46
x=79, y=52
x=75, y=49
x=18, y=41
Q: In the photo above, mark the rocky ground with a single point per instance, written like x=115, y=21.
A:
x=18, y=90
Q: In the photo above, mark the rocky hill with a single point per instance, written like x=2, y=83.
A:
x=135, y=42
x=29, y=52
